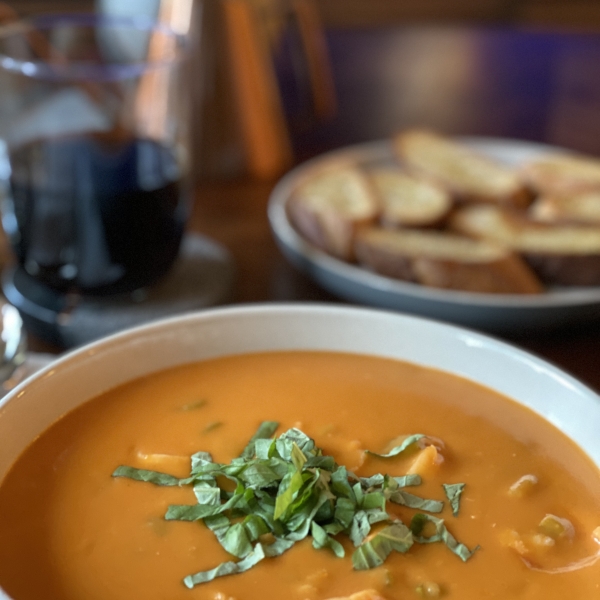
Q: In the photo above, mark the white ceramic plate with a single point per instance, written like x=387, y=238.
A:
x=492, y=312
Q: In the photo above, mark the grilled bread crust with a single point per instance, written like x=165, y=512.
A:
x=328, y=209
x=445, y=260
x=562, y=174
x=559, y=254
x=468, y=176
x=577, y=209
x=408, y=201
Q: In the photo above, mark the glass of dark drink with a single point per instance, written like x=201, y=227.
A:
x=94, y=151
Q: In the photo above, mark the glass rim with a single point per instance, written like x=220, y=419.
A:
x=85, y=70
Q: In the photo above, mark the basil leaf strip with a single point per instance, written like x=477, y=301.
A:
x=148, y=476
x=373, y=553
x=322, y=540
x=441, y=535
x=228, y=568
x=412, y=501
x=194, y=405
x=265, y=430
x=405, y=445
x=453, y=492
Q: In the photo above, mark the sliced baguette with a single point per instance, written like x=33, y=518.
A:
x=560, y=254
x=329, y=207
x=444, y=260
x=562, y=174
x=582, y=209
x=407, y=200
x=467, y=175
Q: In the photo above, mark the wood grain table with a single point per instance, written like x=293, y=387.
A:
x=533, y=85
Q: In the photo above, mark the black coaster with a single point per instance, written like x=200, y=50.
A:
x=201, y=277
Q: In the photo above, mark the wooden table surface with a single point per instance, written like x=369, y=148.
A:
x=532, y=85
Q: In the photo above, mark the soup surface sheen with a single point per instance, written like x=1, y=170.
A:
x=70, y=531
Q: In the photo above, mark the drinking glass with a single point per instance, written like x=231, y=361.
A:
x=94, y=151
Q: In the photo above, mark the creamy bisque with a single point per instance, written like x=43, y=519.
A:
x=70, y=531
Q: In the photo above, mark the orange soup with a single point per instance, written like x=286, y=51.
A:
x=480, y=497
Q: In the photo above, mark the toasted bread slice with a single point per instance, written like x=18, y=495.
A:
x=582, y=209
x=467, y=175
x=560, y=254
x=445, y=260
x=407, y=200
x=562, y=174
x=330, y=206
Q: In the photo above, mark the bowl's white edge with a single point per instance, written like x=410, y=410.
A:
x=287, y=326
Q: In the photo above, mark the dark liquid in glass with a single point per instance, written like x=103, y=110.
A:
x=93, y=216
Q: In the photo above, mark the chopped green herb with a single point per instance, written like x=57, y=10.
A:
x=144, y=475
x=287, y=488
x=265, y=430
x=207, y=493
x=408, y=441
x=322, y=540
x=212, y=426
x=194, y=405
x=453, y=492
x=441, y=535
x=408, y=480
x=227, y=568
x=412, y=501
x=373, y=553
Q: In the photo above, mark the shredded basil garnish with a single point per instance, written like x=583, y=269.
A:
x=194, y=405
x=373, y=553
x=144, y=475
x=405, y=445
x=453, y=492
x=212, y=426
x=441, y=534
x=265, y=430
x=412, y=501
x=287, y=488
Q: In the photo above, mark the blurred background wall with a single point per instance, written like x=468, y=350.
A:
x=580, y=14
x=446, y=69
